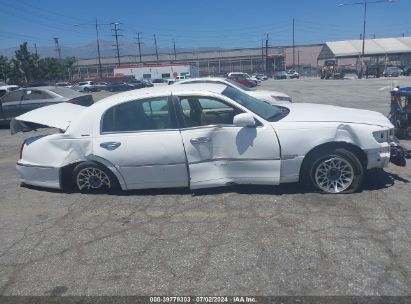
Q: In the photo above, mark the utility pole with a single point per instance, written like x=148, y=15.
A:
x=293, y=46
x=116, y=35
x=262, y=55
x=100, y=71
x=266, y=55
x=139, y=45
x=155, y=43
x=298, y=60
x=175, y=54
x=363, y=41
x=35, y=48
x=57, y=49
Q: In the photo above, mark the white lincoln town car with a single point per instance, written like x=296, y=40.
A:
x=198, y=136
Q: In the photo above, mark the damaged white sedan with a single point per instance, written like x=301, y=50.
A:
x=200, y=136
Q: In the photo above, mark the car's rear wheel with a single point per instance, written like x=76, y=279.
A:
x=333, y=171
x=92, y=177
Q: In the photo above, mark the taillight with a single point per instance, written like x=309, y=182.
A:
x=21, y=149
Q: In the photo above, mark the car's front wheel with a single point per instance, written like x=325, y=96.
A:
x=333, y=171
x=90, y=176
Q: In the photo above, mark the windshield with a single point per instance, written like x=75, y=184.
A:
x=267, y=111
x=239, y=85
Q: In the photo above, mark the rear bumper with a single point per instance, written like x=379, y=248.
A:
x=40, y=176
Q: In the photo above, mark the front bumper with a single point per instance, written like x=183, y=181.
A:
x=40, y=176
x=399, y=154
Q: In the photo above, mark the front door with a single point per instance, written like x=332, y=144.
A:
x=220, y=153
x=141, y=139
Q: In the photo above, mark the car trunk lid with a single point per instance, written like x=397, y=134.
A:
x=56, y=116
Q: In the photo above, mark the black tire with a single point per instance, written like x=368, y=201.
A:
x=345, y=177
x=86, y=90
x=90, y=176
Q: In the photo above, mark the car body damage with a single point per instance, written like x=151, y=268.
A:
x=227, y=143
x=56, y=116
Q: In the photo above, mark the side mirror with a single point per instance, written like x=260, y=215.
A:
x=244, y=120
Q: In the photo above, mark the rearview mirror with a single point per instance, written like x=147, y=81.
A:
x=244, y=120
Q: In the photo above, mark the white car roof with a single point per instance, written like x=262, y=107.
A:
x=196, y=88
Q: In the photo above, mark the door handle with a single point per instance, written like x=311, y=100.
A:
x=110, y=145
x=200, y=140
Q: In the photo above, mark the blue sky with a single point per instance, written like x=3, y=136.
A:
x=195, y=23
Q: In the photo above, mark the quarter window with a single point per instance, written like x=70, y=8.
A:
x=36, y=95
x=138, y=115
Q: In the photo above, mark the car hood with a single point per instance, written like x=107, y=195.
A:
x=309, y=112
x=56, y=116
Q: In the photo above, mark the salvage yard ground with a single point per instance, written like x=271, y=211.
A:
x=230, y=241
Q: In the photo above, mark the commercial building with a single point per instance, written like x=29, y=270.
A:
x=216, y=62
x=155, y=71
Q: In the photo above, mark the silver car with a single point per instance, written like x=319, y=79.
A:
x=24, y=100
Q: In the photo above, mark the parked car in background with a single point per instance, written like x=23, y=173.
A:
x=242, y=79
x=85, y=86
x=64, y=84
x=280, y=75
x=119, y=86
x=272, y=97
x=162, y=82
x=7, y=88
x=261, y=77
x=137, y=84
x=392, y=72
x=147, y=83
x=26, y=99
x=201, y=136
x=293, y=74
x=101, y=85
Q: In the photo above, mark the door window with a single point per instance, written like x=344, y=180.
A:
x=138, y=115
x=202, y=111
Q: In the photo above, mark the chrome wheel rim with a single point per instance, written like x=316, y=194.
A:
x=334, y=175
x=92, y=178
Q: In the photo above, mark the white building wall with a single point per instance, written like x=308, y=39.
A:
x=155, y=72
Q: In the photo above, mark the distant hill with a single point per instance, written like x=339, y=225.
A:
x=106, y=49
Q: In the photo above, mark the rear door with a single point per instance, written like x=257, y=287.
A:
x=220, y=153
x=142, y=140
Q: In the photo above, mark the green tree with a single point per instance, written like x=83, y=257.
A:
x=69, y=63
x=4, y=68
x=50, y=69
x=26, y=62
x=27, y=67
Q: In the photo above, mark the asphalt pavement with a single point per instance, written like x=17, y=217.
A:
x=248, y=240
